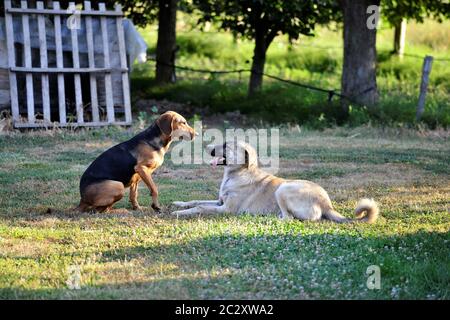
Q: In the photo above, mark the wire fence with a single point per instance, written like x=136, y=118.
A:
x=330, y=92
x=421, y=57
x=408, y=55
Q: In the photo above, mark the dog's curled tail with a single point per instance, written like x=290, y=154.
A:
x=366, y=211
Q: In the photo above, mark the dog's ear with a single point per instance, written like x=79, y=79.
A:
x=165, y=123
x=251, y=158
x=220, y=148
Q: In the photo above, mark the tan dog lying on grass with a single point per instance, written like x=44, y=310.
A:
x=246, y=188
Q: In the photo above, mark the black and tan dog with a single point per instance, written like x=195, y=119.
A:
x=124, y=165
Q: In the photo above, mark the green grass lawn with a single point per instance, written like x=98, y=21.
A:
x=126, y=254
x=315, y=61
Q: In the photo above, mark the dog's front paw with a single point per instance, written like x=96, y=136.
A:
x=156, y=207
x=179, y=213
x=137, y=208
x=181, y=204
x=183, y=213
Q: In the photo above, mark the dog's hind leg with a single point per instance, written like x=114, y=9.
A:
x=103, y=195
x=103, y=209
x=294, y=203
x=284, y=211
x=83, y=207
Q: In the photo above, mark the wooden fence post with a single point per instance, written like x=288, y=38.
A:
x=427, y=63
x=60, y=64
x=108, y=80
x=79, y=106
x=123, y=65
x=91, y=58
x=27, y=52
x=12, y=63
x=44, y=64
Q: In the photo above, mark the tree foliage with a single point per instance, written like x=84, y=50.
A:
x=273, y=17
x=141, y=13
x=263, y=20
x=396, y=10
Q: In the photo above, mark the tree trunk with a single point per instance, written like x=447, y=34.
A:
x=359, y=70
x=166, y=44
x=399, y=37
x=259, y=59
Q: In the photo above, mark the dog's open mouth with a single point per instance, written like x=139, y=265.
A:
x=217, y=161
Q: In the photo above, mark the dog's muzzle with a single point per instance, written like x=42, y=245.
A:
x=217, y=161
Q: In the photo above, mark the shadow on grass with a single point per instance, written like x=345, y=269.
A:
x=276, y=266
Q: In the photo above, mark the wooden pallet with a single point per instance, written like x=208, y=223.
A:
x=29, y=119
